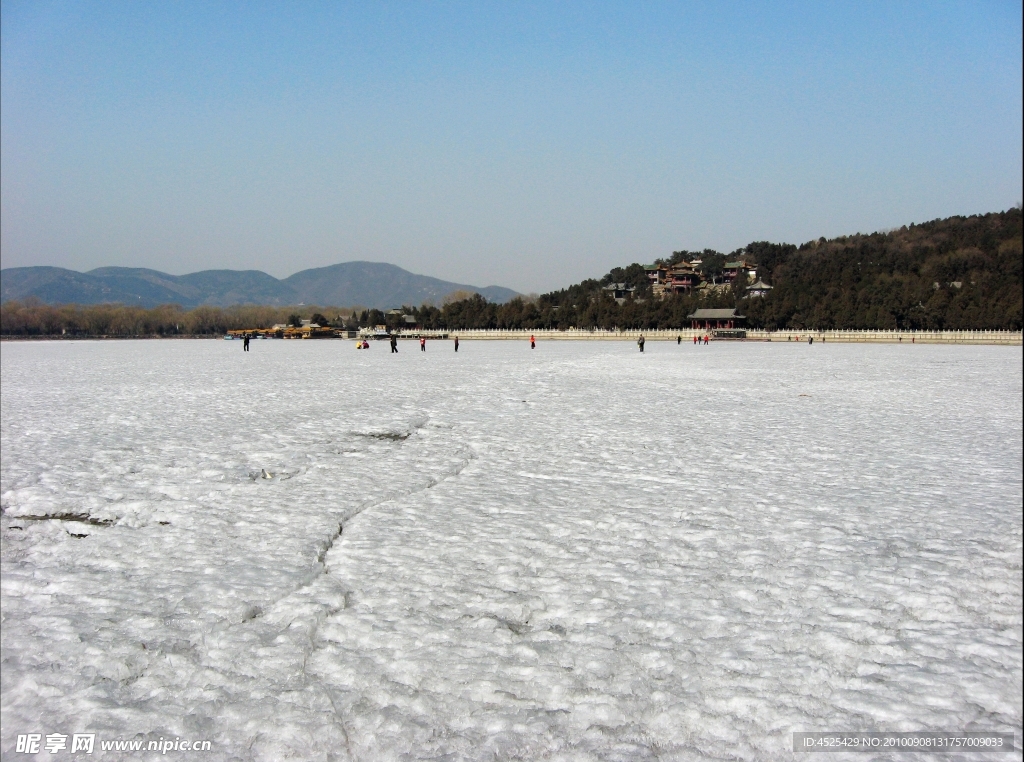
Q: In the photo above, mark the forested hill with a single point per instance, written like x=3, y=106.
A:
x=955, y=273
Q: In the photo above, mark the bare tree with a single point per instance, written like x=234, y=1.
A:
x=459, y=295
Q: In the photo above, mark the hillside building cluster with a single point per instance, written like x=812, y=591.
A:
x=685, y=277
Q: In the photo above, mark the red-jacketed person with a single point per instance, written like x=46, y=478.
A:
x=533, y=342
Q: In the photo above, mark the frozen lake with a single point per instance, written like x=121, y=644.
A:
x=572, y=553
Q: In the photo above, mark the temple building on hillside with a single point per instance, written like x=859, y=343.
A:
x=620, y=291
x=739, y=268
x=682, y=278
x=758, y=289
x=657, y=276
x=656, y=273
x=712, y=319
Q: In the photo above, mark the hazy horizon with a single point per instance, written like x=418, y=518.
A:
x=527, y=147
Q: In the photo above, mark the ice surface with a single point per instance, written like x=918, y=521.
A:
x=577, y=552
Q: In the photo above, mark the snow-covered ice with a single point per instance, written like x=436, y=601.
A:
x=572, y=553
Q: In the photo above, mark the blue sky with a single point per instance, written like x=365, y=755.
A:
x=524, y=145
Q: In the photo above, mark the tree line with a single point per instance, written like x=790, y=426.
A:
x=959, y=273
x=33, y=318
x=955, y=273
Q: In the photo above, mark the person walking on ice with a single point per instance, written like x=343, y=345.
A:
x=394, y=344
x=456, y=343
x=423, y=344
x=245, y=343
x=533, y=342
x=640, y=343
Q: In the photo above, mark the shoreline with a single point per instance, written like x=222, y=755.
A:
x=1001, y=338
x=997, y=338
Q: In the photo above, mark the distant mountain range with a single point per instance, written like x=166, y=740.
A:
x=365, y=284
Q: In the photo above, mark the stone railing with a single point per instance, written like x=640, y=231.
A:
x=1012, y=338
